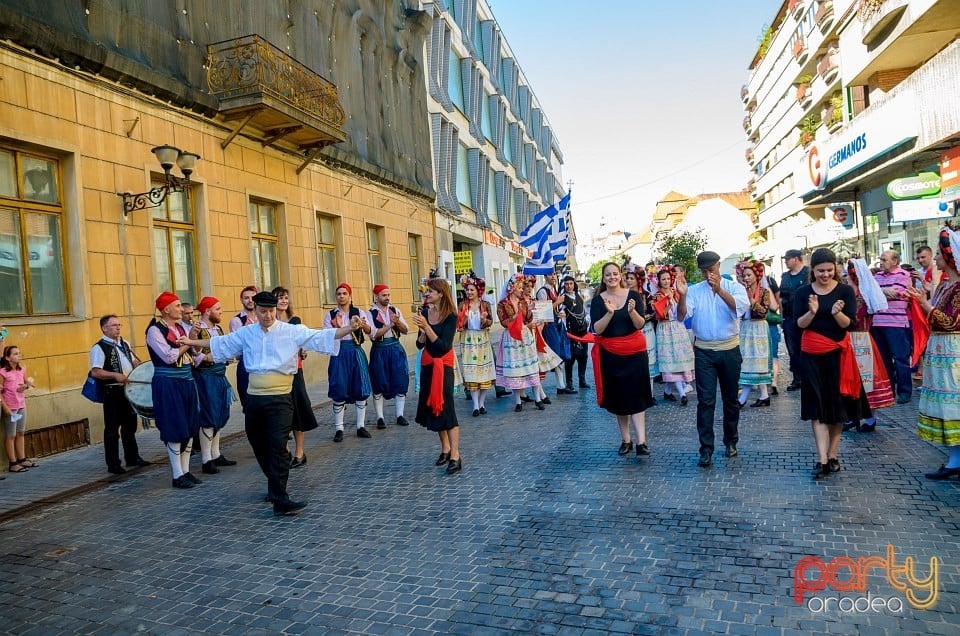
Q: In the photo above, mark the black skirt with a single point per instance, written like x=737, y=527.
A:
x=448, y=416
x=304, y=419
x=820, y=397
x=626, y=382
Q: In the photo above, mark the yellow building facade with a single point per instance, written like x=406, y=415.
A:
x=71, y=140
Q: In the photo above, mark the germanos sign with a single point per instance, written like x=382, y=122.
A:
x=925, y=184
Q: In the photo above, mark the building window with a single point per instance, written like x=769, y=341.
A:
x=263, y=244
x=173, y=246
x=375, y=254
x=32, y=271
x=455, y=82
x=463, y=177
x=413, y=245
x=327, y=258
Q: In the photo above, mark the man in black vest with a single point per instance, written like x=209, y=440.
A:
x=796, y=275
x=111, y=360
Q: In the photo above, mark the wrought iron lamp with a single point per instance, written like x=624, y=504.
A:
x=167, y=156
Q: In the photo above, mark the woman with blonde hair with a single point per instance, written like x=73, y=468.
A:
x=475, y=353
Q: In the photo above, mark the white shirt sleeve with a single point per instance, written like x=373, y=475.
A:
x=739, y=293
x=320, y=340
x=226, y=347
x=97, y=359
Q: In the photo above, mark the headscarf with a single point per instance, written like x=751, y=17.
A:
x=869, y=288
x=759, y=270
x=950, y=247
x=481, y=285
x=509, y=284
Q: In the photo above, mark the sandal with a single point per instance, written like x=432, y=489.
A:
x=27, y=463
x=17, y=468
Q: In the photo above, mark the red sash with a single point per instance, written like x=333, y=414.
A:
x=618, y=346
x=814, y=343
x=921, y=329
x=435, y=401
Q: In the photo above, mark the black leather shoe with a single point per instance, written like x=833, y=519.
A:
x=518, y=408
x=833, y=464
x=684, y=401
x=338, y=436
x=483, y=410
x=705, y=459
x=625, y=447
x=849, y=426
x=669, y=397
x=287, y=507
x=501, y=392
x=402, y=421
x=116, y=470
x=223, y=461
x=209, y=468
x=546, y=400
x=182, y=482
x=642, y=450
x=867, y=428
x=763, y=402
x=793, y=386
x=137, y=463
x=732, y=451
x=584, y=385
x=540, y=406
x=524, y=398
x=774, y=390
x=454, y=466
x=364, y=433
x=820, y=470
x=192, y=479
x=299, y=462
x=443, y=459
x=476, y=412
x=381, y=424
x=943, y=473
x=567, y=391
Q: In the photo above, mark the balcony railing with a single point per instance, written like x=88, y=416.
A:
x=795, y=7
x=747, y=124
x=824, y=15
x=800, y=49
x=745, y=93
x=827, y=67
x=261, y=84
x=877, y=14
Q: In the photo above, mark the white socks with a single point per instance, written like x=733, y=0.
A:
x=215, y=446
x=206, y=438
x=378, y=404
x=338, y=409
x=561, y=379
x=400, y=401
x=175, y=455
x=361, y=413
x=744, y=394
x=764, y=394
x=475, y=394
x=482, y=396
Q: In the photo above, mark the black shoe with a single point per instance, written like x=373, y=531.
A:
x=116, y=470
x=540, y=406
x=467, y=395
x=820, y=470
x=793, y=386
x=732, y=451
x=546, y=400
x=209, y=468
x=192, y=478
x=903, y=399
x=584, y=385
x=524, y=398
x=483, y=410
x=518, y=408
x=684, y=401
x=763, y=402
x=774, y=390
x=454, y=466
x=849, y=426
x=299, y=462
x=476, y=412
x=741, y=405
x=625, y=447
x=287, y=507
x=338, y=436
x=943, y=473
x=443, y=459
x=223, y=461
x=501, y=392
x=833, y=465
x=182, y=482
x=137, y=463
x=566, y=391
x=669, y=397
x=381, y=424
x=705, y=459
x=867, y=428
x=642, y=450
x=402, y=421
x=364, y=433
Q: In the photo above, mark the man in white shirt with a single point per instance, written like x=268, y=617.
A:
x=270, y=349
x=111, y=361
x=715, y=306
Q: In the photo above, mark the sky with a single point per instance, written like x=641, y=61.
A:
x=643, y=96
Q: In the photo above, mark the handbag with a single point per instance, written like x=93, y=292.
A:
x=92, y=390
x=773, y=318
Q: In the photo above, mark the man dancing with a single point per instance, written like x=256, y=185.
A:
x=389, y=369
x=348, y=375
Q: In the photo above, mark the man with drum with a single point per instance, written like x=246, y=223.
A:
x=176, y=406
x=111, y=359
x=213, y=388
x=247, y=316
x=389, y=369
x=271, y=348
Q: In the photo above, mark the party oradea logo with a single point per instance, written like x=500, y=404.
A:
x=847, y=585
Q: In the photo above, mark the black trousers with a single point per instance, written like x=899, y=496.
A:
x=578, y=354
x=712, y=368
x=267, y=422
x=791, y=336
x=119, y=425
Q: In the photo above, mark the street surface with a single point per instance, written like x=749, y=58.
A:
x=546, y=530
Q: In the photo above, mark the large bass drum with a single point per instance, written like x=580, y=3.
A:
x=139, y=390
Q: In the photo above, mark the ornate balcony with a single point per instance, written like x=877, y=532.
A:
x=261, y=86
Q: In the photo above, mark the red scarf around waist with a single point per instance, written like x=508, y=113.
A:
x=921, y=329
x=618, y=346
x=816, y=344
x=435, y=401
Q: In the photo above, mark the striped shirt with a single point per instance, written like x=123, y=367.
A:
x=896, y=313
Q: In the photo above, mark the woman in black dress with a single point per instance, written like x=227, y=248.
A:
x=304, y=418
x=435, y=411
x=831, y=392
x=620, y=361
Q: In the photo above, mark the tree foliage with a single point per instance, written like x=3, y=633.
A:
x=595, y=273
x=681, y=247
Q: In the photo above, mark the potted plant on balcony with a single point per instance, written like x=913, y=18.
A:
x=799, y=47
x=808, y=129
x=803, y=87
x=836, y=113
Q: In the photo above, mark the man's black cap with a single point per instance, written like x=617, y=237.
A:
x=793, y=254
x=265, y=299
x=707, y=259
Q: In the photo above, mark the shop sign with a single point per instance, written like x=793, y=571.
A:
x=919, y=210
x=491, y=238
x=925, y=184
x=462, y=262
x=842, y=214
x=863, y=139
x=950, y=174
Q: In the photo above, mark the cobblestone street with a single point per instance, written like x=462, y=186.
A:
x=546, y=530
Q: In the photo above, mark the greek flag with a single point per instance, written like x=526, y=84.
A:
x=546, y=237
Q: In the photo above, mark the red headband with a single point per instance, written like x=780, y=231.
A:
x=345, y=286
x=206, y=303
x=165, y=299
x=376, y=289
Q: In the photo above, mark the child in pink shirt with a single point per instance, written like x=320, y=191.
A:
x=13, y=384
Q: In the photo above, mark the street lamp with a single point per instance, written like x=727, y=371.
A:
x=167, y=156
